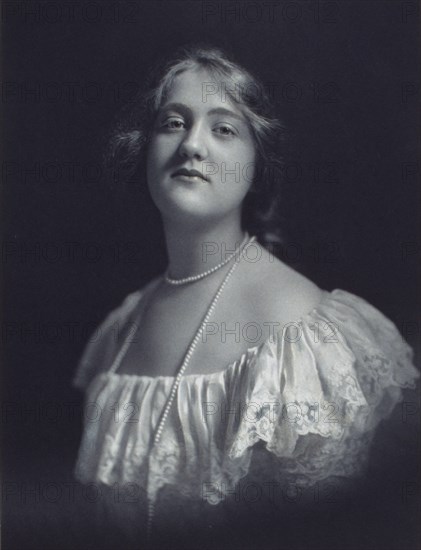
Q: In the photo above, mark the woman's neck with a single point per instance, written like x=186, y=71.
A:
x=193, y=250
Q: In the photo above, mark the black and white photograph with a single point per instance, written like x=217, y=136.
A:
x=211, y=275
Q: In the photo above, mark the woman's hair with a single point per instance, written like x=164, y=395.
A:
x=130, y=135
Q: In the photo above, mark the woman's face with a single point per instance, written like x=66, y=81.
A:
x=199, y=129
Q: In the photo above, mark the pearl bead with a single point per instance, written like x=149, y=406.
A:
x=190, y=351
x=194, y=278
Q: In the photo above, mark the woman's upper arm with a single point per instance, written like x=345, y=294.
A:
x=104, y=342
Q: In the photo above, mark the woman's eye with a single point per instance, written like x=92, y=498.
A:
x=225, y=130
x=173, y=123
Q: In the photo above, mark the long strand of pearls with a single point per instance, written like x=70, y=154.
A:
x=194, y=278
x=177, y=379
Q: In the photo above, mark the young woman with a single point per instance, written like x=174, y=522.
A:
x=234, y=373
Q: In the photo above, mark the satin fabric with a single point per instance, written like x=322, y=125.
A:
x=298, y=410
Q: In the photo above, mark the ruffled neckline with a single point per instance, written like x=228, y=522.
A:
x=339, y=390
x=327, y=296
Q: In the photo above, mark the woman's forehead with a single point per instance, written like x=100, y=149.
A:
x=201, y=87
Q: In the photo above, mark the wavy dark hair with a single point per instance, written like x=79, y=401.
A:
x=131, y=132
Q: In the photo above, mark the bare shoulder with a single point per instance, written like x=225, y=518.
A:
x=276, y=289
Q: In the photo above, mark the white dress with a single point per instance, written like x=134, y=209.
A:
x=288, y=415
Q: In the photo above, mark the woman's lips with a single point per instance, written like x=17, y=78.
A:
x=189, y=179
x=189, y=175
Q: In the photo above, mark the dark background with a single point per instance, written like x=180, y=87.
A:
x=345, y=79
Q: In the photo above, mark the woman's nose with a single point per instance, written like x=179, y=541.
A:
x=193, y=145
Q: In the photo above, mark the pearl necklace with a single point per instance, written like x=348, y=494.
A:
x=194, y=278
x=184, y=364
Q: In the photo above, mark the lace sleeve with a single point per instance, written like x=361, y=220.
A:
x=332, y=384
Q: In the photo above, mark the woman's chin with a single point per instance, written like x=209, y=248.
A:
x=186, y=211
x=185, y=206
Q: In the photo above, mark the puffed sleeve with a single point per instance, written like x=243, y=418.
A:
x=104, y=342
x=320, y=388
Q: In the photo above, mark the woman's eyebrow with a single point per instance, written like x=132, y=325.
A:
x=175, y=106
x=181, y=107
x=226, y=112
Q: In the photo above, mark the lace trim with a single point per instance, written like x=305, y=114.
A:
x=313, y=405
